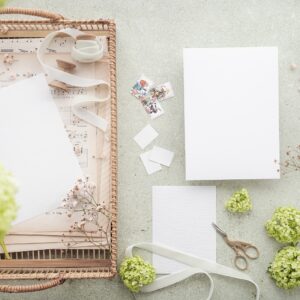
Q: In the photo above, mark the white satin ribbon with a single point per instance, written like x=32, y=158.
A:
x=78, y=109
x=195, y=265
x=73, y=80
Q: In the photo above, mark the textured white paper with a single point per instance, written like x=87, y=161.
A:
x=35, y=147
x=146, y=136
x=231, y=113
x=181, y=219
x=161, y=156
x=150, y=166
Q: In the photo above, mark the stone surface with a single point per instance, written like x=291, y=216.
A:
x=151, y=35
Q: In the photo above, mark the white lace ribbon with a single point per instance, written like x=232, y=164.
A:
x=195, y=265
x=73, y=80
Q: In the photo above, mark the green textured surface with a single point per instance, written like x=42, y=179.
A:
x=150, y=38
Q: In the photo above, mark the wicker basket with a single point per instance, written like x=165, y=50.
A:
x=57, y=265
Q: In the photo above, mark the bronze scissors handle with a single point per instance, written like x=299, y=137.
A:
x=249, y=250
x=242, y=251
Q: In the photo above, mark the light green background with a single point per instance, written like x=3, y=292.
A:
x=150, y=38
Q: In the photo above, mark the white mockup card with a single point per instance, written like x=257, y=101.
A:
x=35, y=147
x=181, y=219
x=146, y=136
x=150, y=166
x=161, y=156
x=231, y=113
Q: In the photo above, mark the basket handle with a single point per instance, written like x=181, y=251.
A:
x=31, y=12
x=31, y=288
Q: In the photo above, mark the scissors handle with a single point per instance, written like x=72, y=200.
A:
x=250, y=251
x=241, y=262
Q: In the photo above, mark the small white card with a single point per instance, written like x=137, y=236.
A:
x=161, y=156
x=150, y=166
x=35, y=147
x=146, y=136
x=181, y=219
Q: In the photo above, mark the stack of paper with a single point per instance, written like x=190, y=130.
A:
x=37, y=150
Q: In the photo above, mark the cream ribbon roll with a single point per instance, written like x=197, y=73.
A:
x=195, y=265
x=87, y=51
x=60, y=75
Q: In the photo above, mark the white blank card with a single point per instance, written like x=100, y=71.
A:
x=181, y=219
x=35, y=147
x=231, y=113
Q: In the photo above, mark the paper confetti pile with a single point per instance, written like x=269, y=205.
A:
x=151, y=95
x=157, y=156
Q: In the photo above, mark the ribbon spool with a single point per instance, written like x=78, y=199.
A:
x=87, y=51
x=194, y=265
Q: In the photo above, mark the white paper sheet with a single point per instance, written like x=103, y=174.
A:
x=161, y=156
x=231, y=113
x=146, y=136
x=150, y=166
x=35, y=147
x=181, y=219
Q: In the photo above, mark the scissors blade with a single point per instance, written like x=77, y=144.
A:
x=219, y=230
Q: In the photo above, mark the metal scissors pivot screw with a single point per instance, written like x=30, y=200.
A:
x=242, y=250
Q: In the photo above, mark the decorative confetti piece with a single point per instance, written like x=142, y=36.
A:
x=293, y=66
x=161, y=156
x=141, y=88
x=162, y=92
x=150, y=166
x=155, y=110
x=145, y=136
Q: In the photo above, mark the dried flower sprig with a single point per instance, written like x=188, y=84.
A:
x=292, y=161
x=81, y=200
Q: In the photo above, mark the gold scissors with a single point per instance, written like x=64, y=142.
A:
x=242, y=250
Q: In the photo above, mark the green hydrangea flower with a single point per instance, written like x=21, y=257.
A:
x=285, y=269
x=8, y=206
x=239, y=202
x=136, y=273
x=2, y=3
x=285, y=225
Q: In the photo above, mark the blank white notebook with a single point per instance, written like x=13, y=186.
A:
x=231, y=113
x=181, y=219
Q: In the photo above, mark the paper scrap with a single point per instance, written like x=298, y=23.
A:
x=35, y=147
x=161, y=156
x=141, y=88
x=181, y=219
x=145, y=136
x=150, y=166
x=162, y=92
